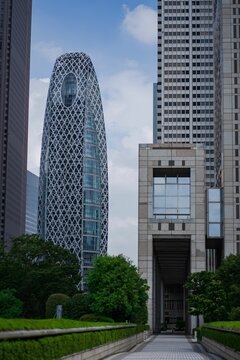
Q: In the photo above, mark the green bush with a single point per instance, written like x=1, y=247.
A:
x=50, y=348
x=77, y=306
x=53, y=301
x=225, y=324
x=32, y=324
x=234, y=314
x=10, y=306
x=93, y=317
x=225, y=338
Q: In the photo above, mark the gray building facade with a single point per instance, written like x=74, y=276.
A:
x=31, y=203
x=227, y=116
x=184, y=92
x=172, y=226
x=189, y=218
x=73, y=184
x=15, y=30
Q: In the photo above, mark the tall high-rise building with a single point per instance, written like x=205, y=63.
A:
x=31, y=203
x=227, y=116
x=184, y=92
x=15, y=30
x=73, y=184
x=189, y=220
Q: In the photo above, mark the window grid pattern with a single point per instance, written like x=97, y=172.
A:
x=171, y=197
x=73, y=148
x=184, y=93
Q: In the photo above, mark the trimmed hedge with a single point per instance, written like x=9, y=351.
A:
x=96, y=318
x=29, y=324
x=50, y=348
x=225, y=338
x=225, y=324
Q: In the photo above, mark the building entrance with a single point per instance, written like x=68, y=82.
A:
x=171, y=267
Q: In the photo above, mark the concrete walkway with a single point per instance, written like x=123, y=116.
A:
x=165, y=347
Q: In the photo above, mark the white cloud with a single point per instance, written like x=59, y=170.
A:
x=141, y=23
x=48, y=50
x=37, y=104
x=127, y=102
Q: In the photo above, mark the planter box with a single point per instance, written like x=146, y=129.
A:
x=219, y=349
x=102, y=351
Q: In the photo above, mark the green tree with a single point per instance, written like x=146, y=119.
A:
x=116, y=289
x=207, y=296
x=10, y=306
x=37, y=269
x=229, y=274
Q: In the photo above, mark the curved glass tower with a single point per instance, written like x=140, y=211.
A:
x=73, y=185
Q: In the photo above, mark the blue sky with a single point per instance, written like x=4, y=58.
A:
x=120, y=37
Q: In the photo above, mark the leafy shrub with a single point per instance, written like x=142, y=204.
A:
x=33, y=324
x=77, y=306
x=140, y=316
x=49, y=348
x=53, y=301
x=10, y=306
x=93, y=317
x=225, y=338
x=234, y=314
x=180, y=325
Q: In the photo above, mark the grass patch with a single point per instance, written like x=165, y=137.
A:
x=29, y=324
x=225, y=324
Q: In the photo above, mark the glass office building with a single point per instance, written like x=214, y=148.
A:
x=73, y=189
x=31, y=203
x=15, y=36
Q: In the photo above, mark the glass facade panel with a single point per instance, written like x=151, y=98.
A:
x=215, y=220
x=91, y=243
x=214, y=229
x=171, y=190
x=214, y=212
x=171, y=180
x=160, y=190
x=214, y=195
x=171, y=200
x=69, y=90
x=184, y=190
x=159, y=180
x=91, y=181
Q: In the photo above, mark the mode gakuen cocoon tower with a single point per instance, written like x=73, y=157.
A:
x=73, y=187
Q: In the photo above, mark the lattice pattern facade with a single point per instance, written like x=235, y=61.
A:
x=73, y=189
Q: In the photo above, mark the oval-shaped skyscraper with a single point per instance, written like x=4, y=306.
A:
x=73, y=188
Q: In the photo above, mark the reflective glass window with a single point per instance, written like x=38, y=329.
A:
x=91, y=228
x=183, y=180
x=90, y=150
x=214, y=195
x=159, y=180
x=171, y=197
x=184, y=190
x=90, y=243
x=91, y=212
x=91, y=196
x=171, y=202
x=69, y=90
x=214, y=229
x=214, y=212
x=91, y=181
x=159, y=190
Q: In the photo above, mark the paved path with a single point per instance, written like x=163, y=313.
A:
x=165, y=347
